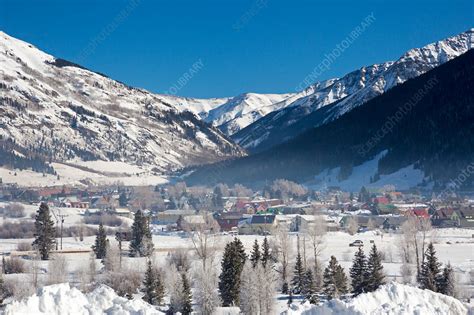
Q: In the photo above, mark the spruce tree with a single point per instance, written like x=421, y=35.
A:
x=100, y=246
x=375, y=274
x=123, y=200
x=299, y=273
x=2, y=290
x=359, y=272
x=430, y=276
x=149, y=285
x=187, y=299
x=334, y=280
x=446, y=285
x=232, y=265
x=340, y=279
x=45, y=232
x=141, y=243
x=309, y=288
x=255, y=255
x=266, y=255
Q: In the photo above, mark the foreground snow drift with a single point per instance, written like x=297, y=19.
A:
x=62, y=299
x=393, y=299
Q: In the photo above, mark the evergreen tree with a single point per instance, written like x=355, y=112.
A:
x=187, y=298
x=430, y=276
x=266, y=255
x=290, y=298
x=334, y=280
x=299, y=274
x=2, y=290
x=359, y=272
x=232, y=265
x=45, y=232
x=152, y=286
x=375, y=274
x=141, y=243
x=340, y=279
x=123, y=200
x=309, y=288
x=100, y=246
x=364, y=195
x=255, y=255
x=446, y=285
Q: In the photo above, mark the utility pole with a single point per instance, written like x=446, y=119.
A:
x=62, y=216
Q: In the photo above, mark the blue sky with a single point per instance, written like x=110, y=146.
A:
x=264, y=46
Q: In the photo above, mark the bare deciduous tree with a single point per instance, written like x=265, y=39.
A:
x=352, y=226
x=416, y=232
x=205, y=293
x=203, y=238
x=57, y=270
x=257, y=290
x=316, y=232
x=283, y=242
x=112, y=259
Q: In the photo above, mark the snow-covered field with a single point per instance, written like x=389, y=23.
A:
x=83, y=174
x=452, y=245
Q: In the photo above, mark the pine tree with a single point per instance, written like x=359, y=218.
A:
x=375, y=275
x=232, y=265
x=298, y=277
x=334, y=279
x=255, y=255
x=100, y=246
x=309, y=288
x=45, y=232
x=430, y=276
x=141, y=243
x=149, y=282
x=359, y=272
x=364, y=195
x=446, y=285
x=266, y=255
x=290, y=298
x=123, y=200
x=340, y=280
x=159, y=287
x=187, y=298
x=2, y=290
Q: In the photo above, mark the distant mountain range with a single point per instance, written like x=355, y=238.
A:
x=54, y=110
x=422, y=128
x=327, y=100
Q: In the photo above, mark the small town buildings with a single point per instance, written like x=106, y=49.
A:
x=262, y=224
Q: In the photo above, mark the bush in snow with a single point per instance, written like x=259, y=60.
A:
x=24, y=246
x=57, y=270
x=13, y=265
x=125, y=282
x=179, y=258
x=406, y=271
x=14, y=210
x=18, y=230
x=17, y=289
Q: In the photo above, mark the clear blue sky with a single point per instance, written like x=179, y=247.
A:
x=277, y=45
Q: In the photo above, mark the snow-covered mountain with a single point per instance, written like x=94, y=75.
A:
x=242, y=110
x=231, y=114
x=325, y=101
x=54, y=110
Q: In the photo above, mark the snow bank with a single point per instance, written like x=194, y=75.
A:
x=390, y=299
x=61, y=299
